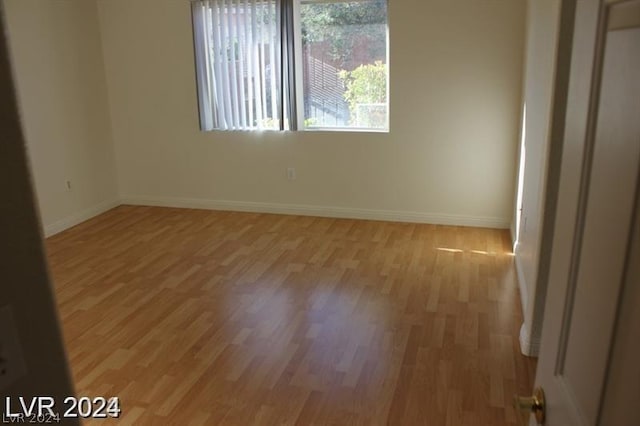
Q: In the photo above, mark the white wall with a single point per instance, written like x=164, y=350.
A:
x=540, y=73
x=456, y=69
x=58, y=64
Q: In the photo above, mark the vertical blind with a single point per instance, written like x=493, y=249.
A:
x=241, y=49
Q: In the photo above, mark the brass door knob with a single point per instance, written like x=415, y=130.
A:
x=530, y=405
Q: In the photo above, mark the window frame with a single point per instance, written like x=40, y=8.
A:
x=292, y=75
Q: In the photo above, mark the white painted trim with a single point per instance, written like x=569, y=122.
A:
x=75, y=219
x=528, y=346
x=322, y=211
x=522, y=283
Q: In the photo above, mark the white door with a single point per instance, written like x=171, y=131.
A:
x=587, y=334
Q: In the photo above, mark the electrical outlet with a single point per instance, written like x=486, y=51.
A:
x=291, y=173
x=12, y=366
x=68, y=185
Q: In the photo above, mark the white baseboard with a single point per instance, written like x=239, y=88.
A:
x=74, y=219
x=310, y=210
x=528, y=345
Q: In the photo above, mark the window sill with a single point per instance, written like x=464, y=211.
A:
x=345, y=129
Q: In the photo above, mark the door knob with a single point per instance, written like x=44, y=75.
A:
x=530, y=405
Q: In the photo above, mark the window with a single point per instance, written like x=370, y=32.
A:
x=291, y=64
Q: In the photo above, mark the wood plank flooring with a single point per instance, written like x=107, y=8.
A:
x=203, y=317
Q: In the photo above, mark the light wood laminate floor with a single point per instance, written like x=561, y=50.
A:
x=203, y=317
